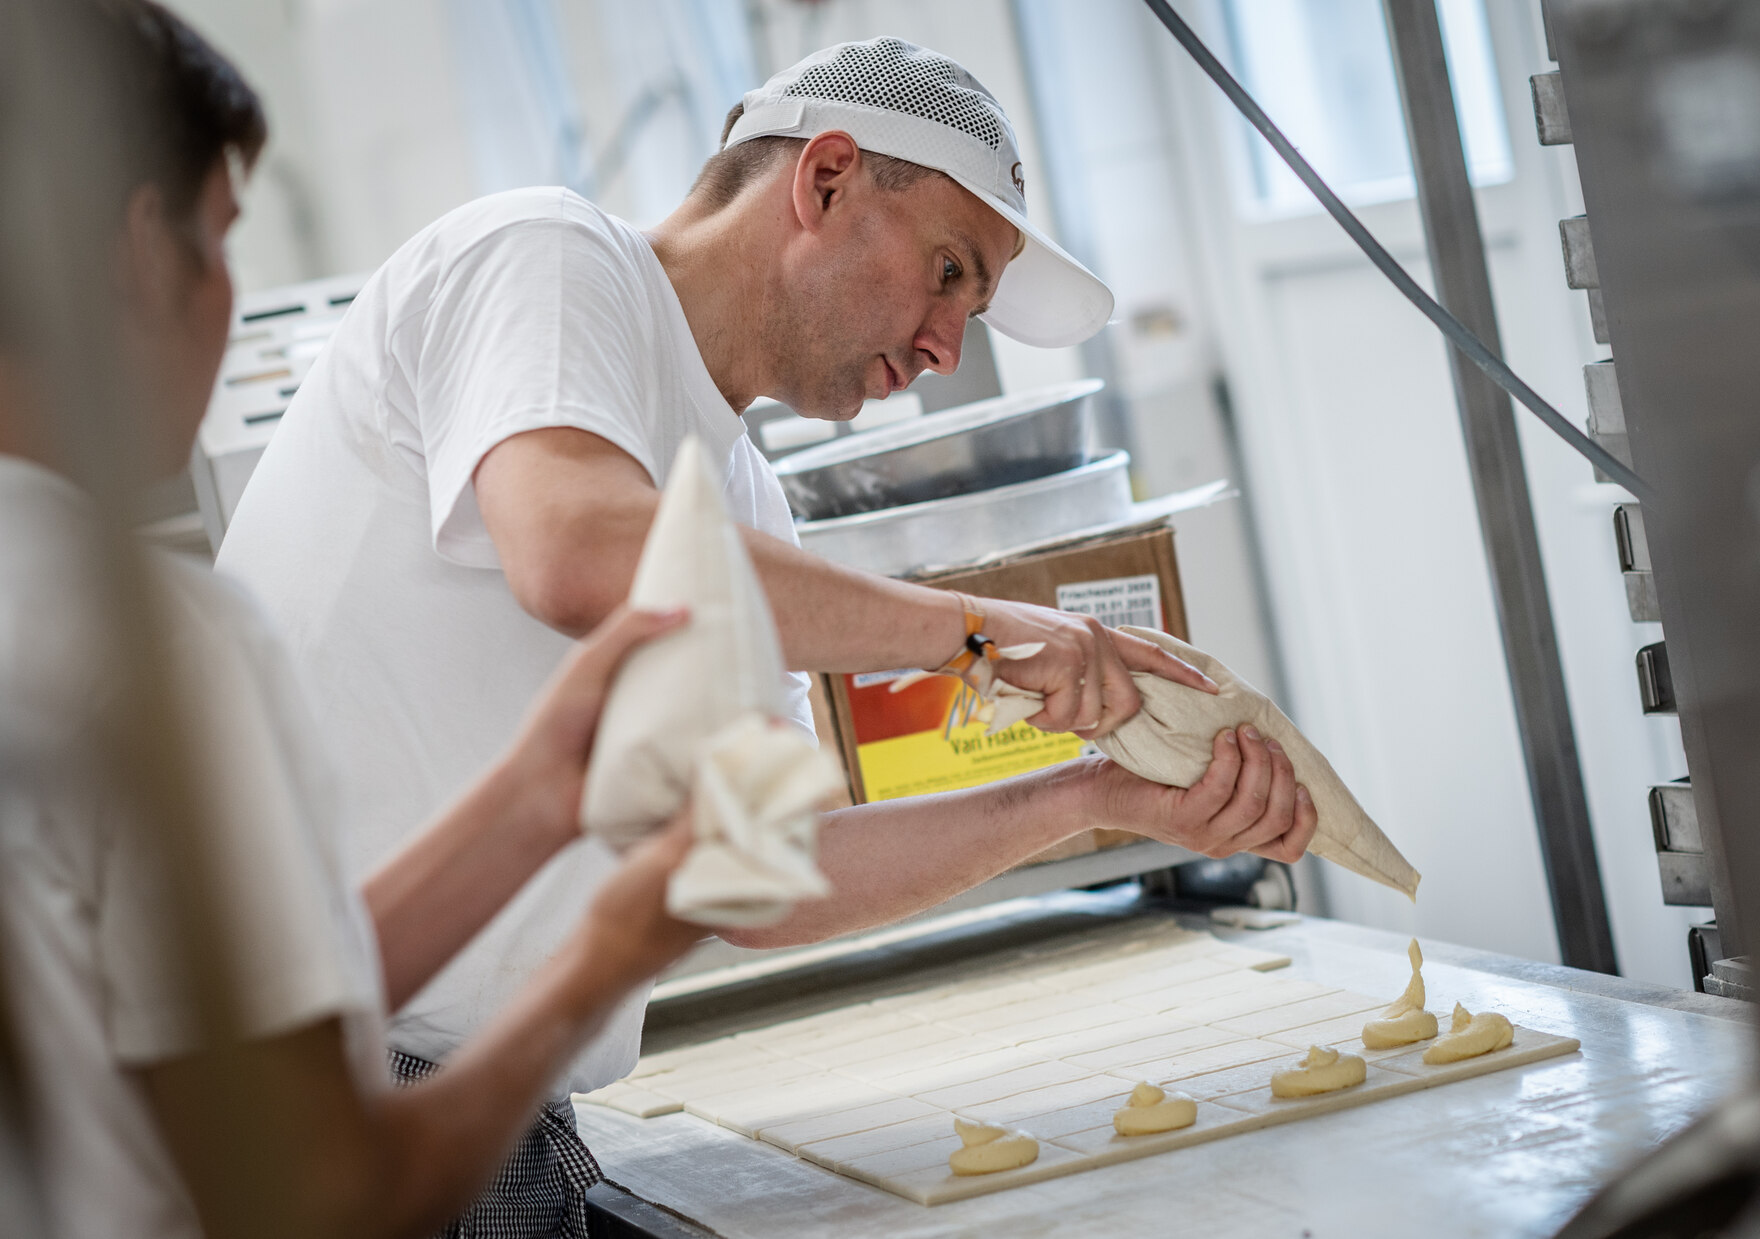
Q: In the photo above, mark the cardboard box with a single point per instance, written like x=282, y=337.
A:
x=920, y=740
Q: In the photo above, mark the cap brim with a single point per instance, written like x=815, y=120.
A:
x=1045, y=298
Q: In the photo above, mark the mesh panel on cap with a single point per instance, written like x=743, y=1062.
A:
x=886, y=73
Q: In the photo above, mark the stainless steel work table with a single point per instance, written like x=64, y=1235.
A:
x=1509, y=1154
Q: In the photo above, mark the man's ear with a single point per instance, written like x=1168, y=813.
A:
x=828, y=165
x=149, y=265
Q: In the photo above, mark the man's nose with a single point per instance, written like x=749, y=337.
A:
x=939, y=342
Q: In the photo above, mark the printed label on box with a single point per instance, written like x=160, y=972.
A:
x=924, y=739
x=1134, y=600
x=947, y=760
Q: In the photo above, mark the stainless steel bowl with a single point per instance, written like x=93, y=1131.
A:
x=975, y=447
x=948, y=532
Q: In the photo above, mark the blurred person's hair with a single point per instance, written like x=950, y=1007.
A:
x=166, y=110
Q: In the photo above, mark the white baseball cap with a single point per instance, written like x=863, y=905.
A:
x=898, y=99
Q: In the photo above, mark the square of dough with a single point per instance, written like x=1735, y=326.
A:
x=1275, y=993
x=855, y=1024
x=898, y=1041
x=1049, y=1021
x=702, y=1080
x=1105, y=1146
x=1006, y=1084
x=928, y=1073
x=1113, y=965
x=968, y=999
x=892, y=1111
x=829, y=1153
x=1161, y=1045
x=1210, y=1085
x=750, y=1112
x=1377, y=1083
x=1295, y=1014
x=1528, y=1046
x=1145, y=980
x=1252, y=957
x=991, y=1019
x=1169, y=1072
x=723, y=1051
x=631, y=1099
x=1190, y=993
x=937, y=1185
x=1344, y=1032
x=1134, y=1027
x=877, y=1168
x=1017, y=1110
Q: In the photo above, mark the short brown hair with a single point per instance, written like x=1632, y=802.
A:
x=729, y=170
x=124, y=90
x=191, y=106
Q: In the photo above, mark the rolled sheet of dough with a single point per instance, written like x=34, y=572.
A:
x=1471, y=1036
x=674, y=699
x=1405, y=1020
x=986, y=1149
x=1169, y=741
x=1151, y=1110
x=758, y=791
x=1323, y=1071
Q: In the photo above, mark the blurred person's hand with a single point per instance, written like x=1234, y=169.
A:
x=627, y=929
x=549, y=759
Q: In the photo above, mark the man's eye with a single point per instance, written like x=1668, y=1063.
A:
x=949, y=270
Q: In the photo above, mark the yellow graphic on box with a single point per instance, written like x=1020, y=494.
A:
x=945, y=761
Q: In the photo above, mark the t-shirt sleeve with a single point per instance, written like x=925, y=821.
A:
x=537, y=324
x=295, y=935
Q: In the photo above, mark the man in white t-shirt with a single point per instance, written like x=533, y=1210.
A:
x=465, y=478
x=128, y=122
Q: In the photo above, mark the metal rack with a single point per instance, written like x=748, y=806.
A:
x=1662, y=105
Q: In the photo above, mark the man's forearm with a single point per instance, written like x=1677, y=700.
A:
x=435, y=894
x=834, y=618
x=895, y=858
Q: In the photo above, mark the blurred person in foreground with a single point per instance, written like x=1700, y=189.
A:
x=464, y=480
x=117, y=1072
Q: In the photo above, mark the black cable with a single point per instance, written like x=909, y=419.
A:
x=1457, y=332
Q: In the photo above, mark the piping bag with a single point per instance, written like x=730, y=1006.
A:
x=698, y=713
x=1169, y=741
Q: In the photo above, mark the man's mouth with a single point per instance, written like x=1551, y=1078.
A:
x=893, y=382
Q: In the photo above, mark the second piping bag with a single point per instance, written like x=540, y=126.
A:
x=701, y=710
x=1169, y=741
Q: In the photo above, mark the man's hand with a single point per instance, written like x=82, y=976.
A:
x=1247, y=801
x=1084, y=672
x=549, y=759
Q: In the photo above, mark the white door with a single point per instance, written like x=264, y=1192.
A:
x=1380, y=593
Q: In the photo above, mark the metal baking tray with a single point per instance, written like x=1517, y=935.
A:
x=946, y=532
x=981, y=446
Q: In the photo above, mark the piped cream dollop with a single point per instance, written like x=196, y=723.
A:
x=986, y=1149
x=1152, y=1110
x=1325, y=1070
x=1405, y=1021
x=1471, y=1036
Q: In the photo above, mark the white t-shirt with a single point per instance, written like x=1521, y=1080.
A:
x=360, y=533
x=85, y=915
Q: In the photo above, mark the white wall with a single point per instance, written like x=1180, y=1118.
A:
x=1380, y=587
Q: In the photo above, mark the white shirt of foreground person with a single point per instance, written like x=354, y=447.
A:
x=360, y=533
x=84, y=921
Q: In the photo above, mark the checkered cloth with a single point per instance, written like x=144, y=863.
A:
x=540, y=1191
